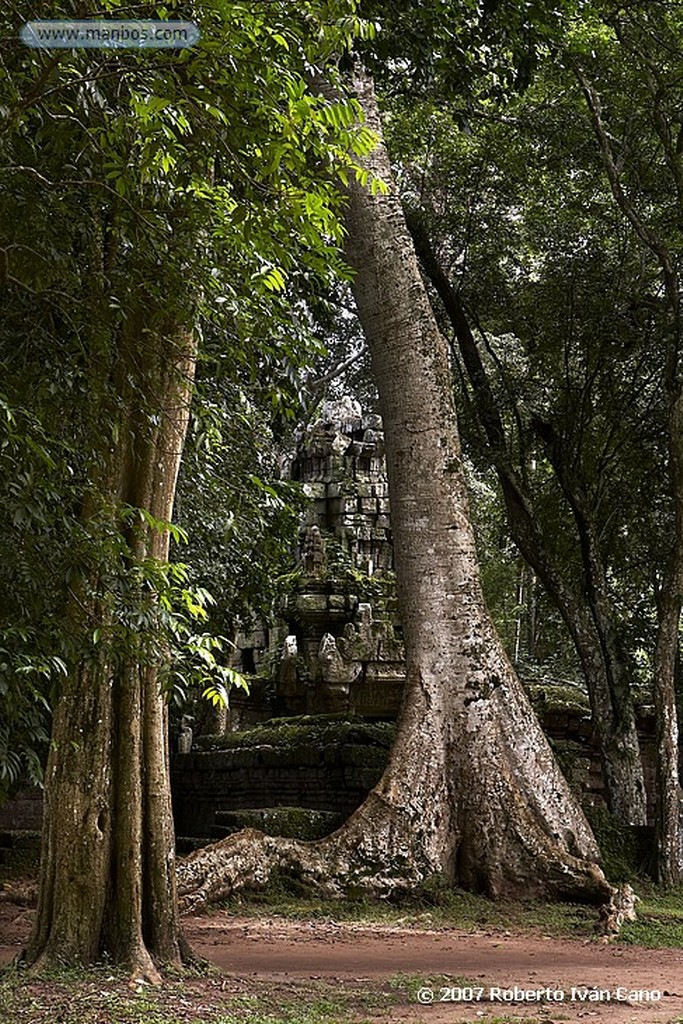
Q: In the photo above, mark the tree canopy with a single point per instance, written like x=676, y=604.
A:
x=173, y=258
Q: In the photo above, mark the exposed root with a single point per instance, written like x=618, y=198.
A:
x=620, y=909
x=190, y=960
x=353, y=861
x=144, y=976
x=142, y=969
x=349, y=860
x=245, y=860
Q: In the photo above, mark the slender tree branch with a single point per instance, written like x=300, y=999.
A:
x=646, y=235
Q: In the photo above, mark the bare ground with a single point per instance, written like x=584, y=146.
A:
x=388, y=969
x=449, y=962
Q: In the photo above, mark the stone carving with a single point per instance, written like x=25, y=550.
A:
x=345, y=414
x=341, y=443
x=314, y=553
x=358, y=642
x=290, y=648
x=185, y=735
x=337, y=674
x=288, y=666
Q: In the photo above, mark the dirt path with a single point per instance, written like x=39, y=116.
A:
x=571, y=971
x=467, y=976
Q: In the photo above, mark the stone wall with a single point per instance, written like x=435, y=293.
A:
x=339, y=649
x=331, y=778
x=335, y=779
x=23, y=812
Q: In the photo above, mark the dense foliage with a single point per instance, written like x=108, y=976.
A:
x=565, y=286
x=539, y=146
x=142, y=191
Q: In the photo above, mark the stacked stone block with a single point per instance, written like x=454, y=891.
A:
x=340, y=462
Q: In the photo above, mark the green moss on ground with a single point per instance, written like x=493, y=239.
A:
x=290, y=822
x=315, y=731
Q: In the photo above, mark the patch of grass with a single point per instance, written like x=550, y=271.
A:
x=453, y=908
x=285, y=898
x=659, y=922
x=560, y=920
x=98, y=997
x=408, y=985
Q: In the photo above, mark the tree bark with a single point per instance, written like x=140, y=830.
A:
x=472, y=791
x=669, y=803
x=589, y=616
x=107, y=882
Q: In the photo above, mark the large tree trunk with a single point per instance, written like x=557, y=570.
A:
x=588, y=612
x=107, y=882
x=472, y=790
x=669, y=804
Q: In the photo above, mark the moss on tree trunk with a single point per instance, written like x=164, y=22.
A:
x=107, y=882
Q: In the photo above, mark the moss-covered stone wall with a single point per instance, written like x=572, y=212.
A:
x=322, y=764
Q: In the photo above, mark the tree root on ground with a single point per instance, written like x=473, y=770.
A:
x=620, y=909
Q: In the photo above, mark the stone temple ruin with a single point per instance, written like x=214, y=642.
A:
x=336, y=649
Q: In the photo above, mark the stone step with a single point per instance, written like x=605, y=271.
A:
x=19, y=839
x=18, y=847
x=290, y=822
